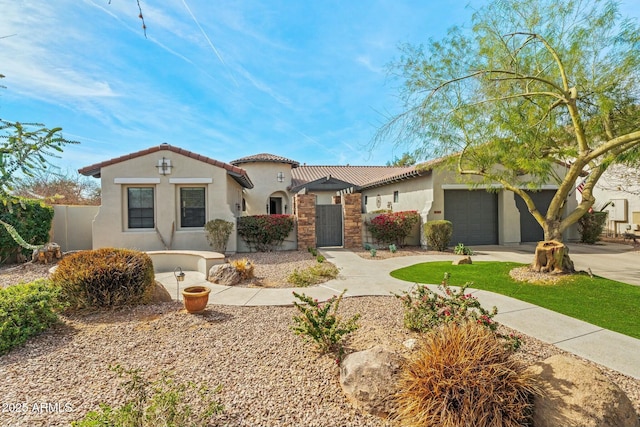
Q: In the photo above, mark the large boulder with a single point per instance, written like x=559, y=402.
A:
x=576, y=394
x=463, y=261
x=224, y=274
x=368, y=379
x=160, y=294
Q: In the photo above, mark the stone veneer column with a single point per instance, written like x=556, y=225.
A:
x=306, y=218
x=352, y=209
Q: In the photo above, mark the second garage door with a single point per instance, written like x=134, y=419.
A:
x=474, y=215
x=530, y=230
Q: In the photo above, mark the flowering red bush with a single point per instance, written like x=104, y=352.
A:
x=393, y=227
x=264, y=232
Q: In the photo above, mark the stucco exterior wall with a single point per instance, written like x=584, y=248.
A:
x=110, y=225
x=71, y=227
x=426, y=195
x=264, y=176
x=624, y=211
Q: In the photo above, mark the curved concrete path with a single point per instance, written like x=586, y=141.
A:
x=362, y=277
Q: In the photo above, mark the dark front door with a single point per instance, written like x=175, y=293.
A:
x=328, y=225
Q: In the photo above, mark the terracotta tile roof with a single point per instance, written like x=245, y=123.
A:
x=239, y=174
x=359, y=176
x=265, y=157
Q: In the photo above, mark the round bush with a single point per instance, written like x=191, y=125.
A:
x=438, y=234
x=463, y=375
x=106, y=277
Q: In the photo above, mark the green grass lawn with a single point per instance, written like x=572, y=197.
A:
x=603, y=302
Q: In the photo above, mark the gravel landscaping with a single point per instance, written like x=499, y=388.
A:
x=269, y=376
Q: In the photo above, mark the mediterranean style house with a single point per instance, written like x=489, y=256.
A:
x=161, y=198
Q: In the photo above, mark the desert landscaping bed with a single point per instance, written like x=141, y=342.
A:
x=269, y=376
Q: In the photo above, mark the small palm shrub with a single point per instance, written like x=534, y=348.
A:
x=461, y=249
x=462, y=375
x=319, y=322
x=106, y=277
x=438, y=234
x=26, y=310
x=244, y=267
x=318, y=273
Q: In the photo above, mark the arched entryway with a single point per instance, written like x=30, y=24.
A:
x=278, y=204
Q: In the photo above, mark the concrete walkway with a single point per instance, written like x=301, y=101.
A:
x=362, y=277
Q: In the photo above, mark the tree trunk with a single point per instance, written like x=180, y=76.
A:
x=552, y=256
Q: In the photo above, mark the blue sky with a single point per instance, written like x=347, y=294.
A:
x=302, y=79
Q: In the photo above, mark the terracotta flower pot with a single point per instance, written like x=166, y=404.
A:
x=195, y=298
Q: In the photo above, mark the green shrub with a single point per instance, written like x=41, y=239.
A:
x=160, y=403
x=591, y=226
x=461, y=249
x=218, y=232
x=425, y=309
x=265, y=232
x=320, y=324
x=393, y=227
x=393, y=248
x=462, y=375
x=318, y=273
x=438, y=234
x=32, y=221
x=106, y=277
x=26, y=310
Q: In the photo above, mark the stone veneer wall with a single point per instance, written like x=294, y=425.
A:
x=352, y=206
x=306, y=216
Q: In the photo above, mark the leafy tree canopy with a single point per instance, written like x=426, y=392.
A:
x=407, y=159
x=530, y=83
x=25, y=149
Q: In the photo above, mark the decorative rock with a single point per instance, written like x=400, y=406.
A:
x=410, y=343
x=224, y=274
x=160, y=294
x=576, y=394
x=461, y=261
x=368, y=377
x=47, y=253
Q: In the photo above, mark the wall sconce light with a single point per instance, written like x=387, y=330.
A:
x=285, y=208
x=164, y=166
x=179, y=274
x=267, y=207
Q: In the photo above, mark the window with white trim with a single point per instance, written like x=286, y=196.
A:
x=140, y=207
x=192, y=207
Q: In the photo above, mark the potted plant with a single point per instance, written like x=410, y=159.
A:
x=195, y=298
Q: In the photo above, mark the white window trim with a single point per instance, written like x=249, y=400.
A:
x=134, y=181
x=190, y=180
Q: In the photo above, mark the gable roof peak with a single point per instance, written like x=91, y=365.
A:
x=238, y=174
x=265, y=158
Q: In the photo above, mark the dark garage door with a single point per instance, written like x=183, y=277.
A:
x=474, y=215
x=530, y=230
